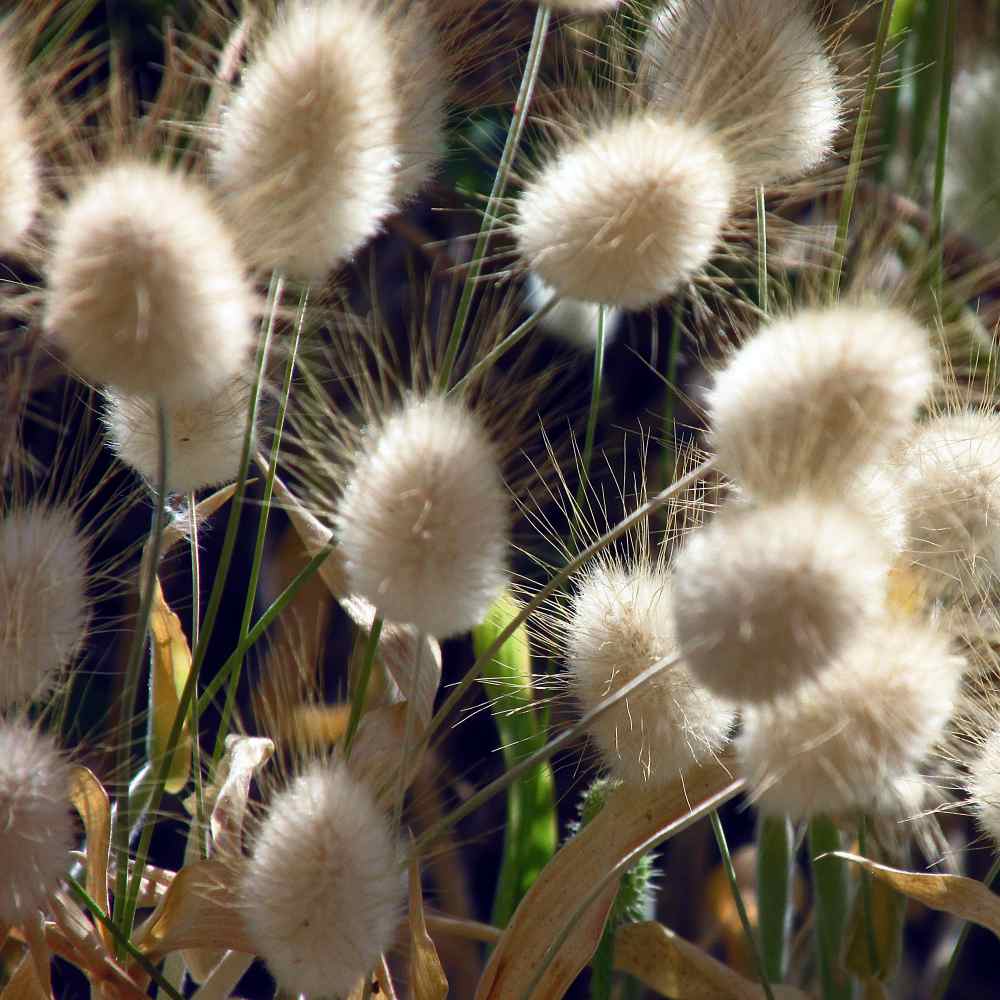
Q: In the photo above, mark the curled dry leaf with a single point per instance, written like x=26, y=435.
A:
x=962, y=897
x=676, y=968
x=427, y=978
x=91, y=801
x=24, y=984
x=521, y=965
x=243, y=756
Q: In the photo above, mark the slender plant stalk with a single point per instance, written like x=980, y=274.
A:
x=265, y=509
x=741, y=909
x=528, y=80
x=949, y=973
x=866, y=897
x=763, y=292
x=361, y=688
x=408, y=726
x=830, y=887
x=950, y=15
x=858, y=150
x=148, y=569
x=775, y=861
x=199, y=785
x=595, y=406
x=602, y=968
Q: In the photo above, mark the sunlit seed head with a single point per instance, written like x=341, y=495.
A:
x=424, y=519
x=583, y=6
x=20, y=183
x=755, y=71
x=44, y=607
x=852, y=740
x=205, y=440
x=306, y=155
x=984, y=787
x=814, y=396
x=322, y=891
x=627, y=214
x=36, y=834
x=619, y=625
x=951, y=494
x=153, y=302
x=765, y=599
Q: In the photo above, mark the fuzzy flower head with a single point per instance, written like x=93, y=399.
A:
x=756, y=72
x=322, y=891
x=627, y=213
x=984, y=786
x=617, y=626
x=424, y=519
x=150, y=300
x=764, y=599
x=816, y=395
x=36, y=828
x=852, y=740
x=205, y=438
x=307, y=155
x=951, y=495
x=44, y=606
x=20, y=186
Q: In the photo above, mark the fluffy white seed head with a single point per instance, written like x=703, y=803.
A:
x=205, y=438
x=619, y=624
x=583, y=6
x=754, y=70
x=852, y=740
x=984, y=787
x=322, y=891
x=36, y=834
x=306, y=155
x=570, y=320
x=20, y=186
x=146, y=291
x=424, y=519
x=951, y=494
x=765, y=599
x=813, y=396
x=626, y=214
x=44, y=606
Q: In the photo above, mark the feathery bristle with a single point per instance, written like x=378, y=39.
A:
x=20, y=184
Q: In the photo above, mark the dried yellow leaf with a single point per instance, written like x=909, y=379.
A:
x=91, y=801
x=427, y=978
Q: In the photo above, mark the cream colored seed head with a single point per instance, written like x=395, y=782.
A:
x=146, y=291
x=620, y=625
x=766, y=599
x=756, y=72
x=815, y=396
x=852, y=740
x=627, y=214
x=984, y=787
x=424, y=519
x=20, y=184
x=307, y=155
x=44, y=606
x=36, y=834
x=205, y=438
x=322, y=891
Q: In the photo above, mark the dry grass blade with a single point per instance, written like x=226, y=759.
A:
x=427, y=978
x=24, y=984
x=91, y=801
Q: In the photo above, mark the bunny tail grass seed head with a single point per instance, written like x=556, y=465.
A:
x=765, y=599
x=626, y=214
x=36, y=834
x=984, y=787
x=815, y=395
x=20, y=185
x=755, y=71
x=205, y=438
x=619, y=625
x=424, y=518
x=44, y=606
x=951, y=494
x=583, y=6
x=322, y=891
x=851, y=740
x=306, y=155
x=146, y=291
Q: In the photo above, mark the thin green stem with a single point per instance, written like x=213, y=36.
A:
x=741, y=909
x=673, y=362
x=830, y=887
x=265, y=509
x=199, y=785
x=528, y=80
x=775, y=860
x=148, y=569
x=361, y=688
x=409, y=721
x=950, y=15
x=763, y=292
x=858, y=151
x=949, y=973
x=866, y=897
x=595, y=408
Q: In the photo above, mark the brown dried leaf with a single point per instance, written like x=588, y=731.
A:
x=629, y=819
x=24, y=984
x=678, y=969
x=38, y=952
x=962, y=897
x=243, y=756
x=91, y=801
x=427, y=978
